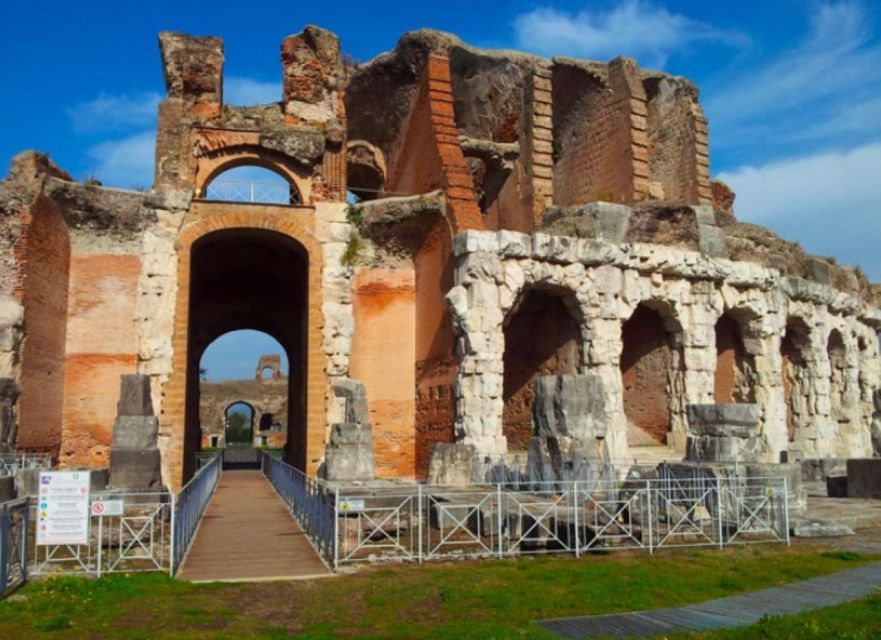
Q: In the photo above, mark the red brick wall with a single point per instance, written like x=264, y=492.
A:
x=646, y=359
x=733, y=364
x=101, y=346
x=43, y=255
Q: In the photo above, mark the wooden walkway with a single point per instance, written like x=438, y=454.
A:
x=734, y=611
x=247, y=533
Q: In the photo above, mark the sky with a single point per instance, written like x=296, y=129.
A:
x=792, y=88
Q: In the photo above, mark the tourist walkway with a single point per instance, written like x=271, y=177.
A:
x=247, y=533
x=734, y=611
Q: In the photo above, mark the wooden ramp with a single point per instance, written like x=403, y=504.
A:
x=247, y=533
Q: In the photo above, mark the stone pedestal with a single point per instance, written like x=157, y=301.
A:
x=349, y=454
x=723, y=433
x=135, y=460
x=452, y=463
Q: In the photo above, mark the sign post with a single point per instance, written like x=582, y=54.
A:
x=63, y=508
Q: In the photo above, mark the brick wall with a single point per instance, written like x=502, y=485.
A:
x=43, y=257
x=101, y=346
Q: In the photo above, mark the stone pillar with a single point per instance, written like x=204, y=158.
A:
x=349, y=454
x=135, y=460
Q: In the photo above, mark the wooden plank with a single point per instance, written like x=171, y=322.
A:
x=247, y=533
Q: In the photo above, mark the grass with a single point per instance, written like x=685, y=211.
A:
x=491, y=599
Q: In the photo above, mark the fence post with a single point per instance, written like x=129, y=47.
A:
x=499, y=518
x=100, y=543
x=25, y=532
x=336, y=528
x=4, y=548
x=173, y=523
x=419, y=519
x=575, y=510
x=648, y=501
x=719, y=511
x=786, y=510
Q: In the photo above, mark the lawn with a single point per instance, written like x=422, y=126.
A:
x=491, y=599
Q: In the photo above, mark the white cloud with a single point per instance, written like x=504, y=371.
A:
x=126, y=162
x=115, y=112
x=245, y=91
x=829, y=202
x=636, y=28
x=796, y=95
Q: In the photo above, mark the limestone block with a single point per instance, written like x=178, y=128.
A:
x=575, y=406
x=813, y=528
x=818, y=469
x=135, y=432
x=348, y=462
x=351, y=433
x=11, y=312
x=7, y=488
x=452, y=464
x=704, y=448
x=134, y=396
x=354, y=394
x=469, y=241
x=739, y=420
x=514, y=245
x=27, y=482
x=135, y=469
x=8, y=427
x=612, y=220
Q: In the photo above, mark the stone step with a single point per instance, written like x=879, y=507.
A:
x=654, y=454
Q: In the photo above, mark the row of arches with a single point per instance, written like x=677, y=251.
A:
x=542, y=336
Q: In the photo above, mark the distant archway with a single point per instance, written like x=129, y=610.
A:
x=238, y=424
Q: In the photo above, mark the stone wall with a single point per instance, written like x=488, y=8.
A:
x=609, y=280
x=267, y=398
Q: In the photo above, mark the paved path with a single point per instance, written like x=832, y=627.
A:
x=734, y=611
x=247, y=533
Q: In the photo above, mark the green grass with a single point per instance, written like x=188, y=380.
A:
x=491, y=599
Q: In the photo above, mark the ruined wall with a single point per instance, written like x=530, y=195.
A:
x=268, y=398
x=383, y=350
x=541, y=338
x=43, y=257
x=609, y=281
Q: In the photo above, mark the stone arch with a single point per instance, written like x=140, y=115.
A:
x=795, y=351
x=306, y=447
x=735, y=377
x=542, y=336
x=652, y=373
x=213, y=163
x=252, y=421
x=365, y=169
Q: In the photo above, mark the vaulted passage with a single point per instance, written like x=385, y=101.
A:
x=541, y=338
x=735, y=376
x=249, y=279
x=649, y=364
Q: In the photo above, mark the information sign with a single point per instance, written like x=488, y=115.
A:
x=63, y=508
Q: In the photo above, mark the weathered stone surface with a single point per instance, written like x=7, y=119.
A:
x=813, y=528
x=193, y=66
x=302, y=144
x=772, y=474
x=864, y=478
x=818, y=469
x=351, y=433
x=349, y=462
x=723, y=420
x=135, y=469
x=8, y=426
x=135, y=432
x=134, y=396
x=573, y=406
x=836, y=486
x=452, y=464
x=27, y=482
x=355, y=396
x=723, y=449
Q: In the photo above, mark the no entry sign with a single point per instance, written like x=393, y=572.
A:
x=63, y=508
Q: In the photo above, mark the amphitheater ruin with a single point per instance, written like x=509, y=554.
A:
x=485, y=255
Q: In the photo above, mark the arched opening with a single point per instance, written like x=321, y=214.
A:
x=837, y=353
x=794, y=350
x=238, y=424
x=650, y=362
x=250, y=279
x=365, y=171
x=227, y=378
x=541, y=338
x=735, y=376
x=248, y=183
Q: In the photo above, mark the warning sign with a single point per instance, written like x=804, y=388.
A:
x=351, y=505
x=106, y=508
x=63, y=508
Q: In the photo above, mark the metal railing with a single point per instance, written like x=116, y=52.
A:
x=429, y=522
x=189, y=505
x=311, y=502
x=242, y=191
x=12, y=463
x=14, y=518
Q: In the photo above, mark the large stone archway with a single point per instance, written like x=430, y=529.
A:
x=247, y=267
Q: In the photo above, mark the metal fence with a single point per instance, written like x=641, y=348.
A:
x=428, y=522
x=12, y=463
x=14, y=517
x=310, y=500
x=190, y=504
x=253, y=191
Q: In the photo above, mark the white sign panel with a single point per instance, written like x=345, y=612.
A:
x=63, y=509
x=103, y=508
x=350, y=505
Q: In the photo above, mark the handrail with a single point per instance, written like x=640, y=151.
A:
x=188, y=506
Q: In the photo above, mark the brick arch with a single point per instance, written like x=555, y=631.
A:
x=207, y=218
x=213, y=163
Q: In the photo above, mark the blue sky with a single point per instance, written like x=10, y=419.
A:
x=792, y=88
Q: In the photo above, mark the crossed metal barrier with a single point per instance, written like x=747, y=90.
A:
x=14, y=518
